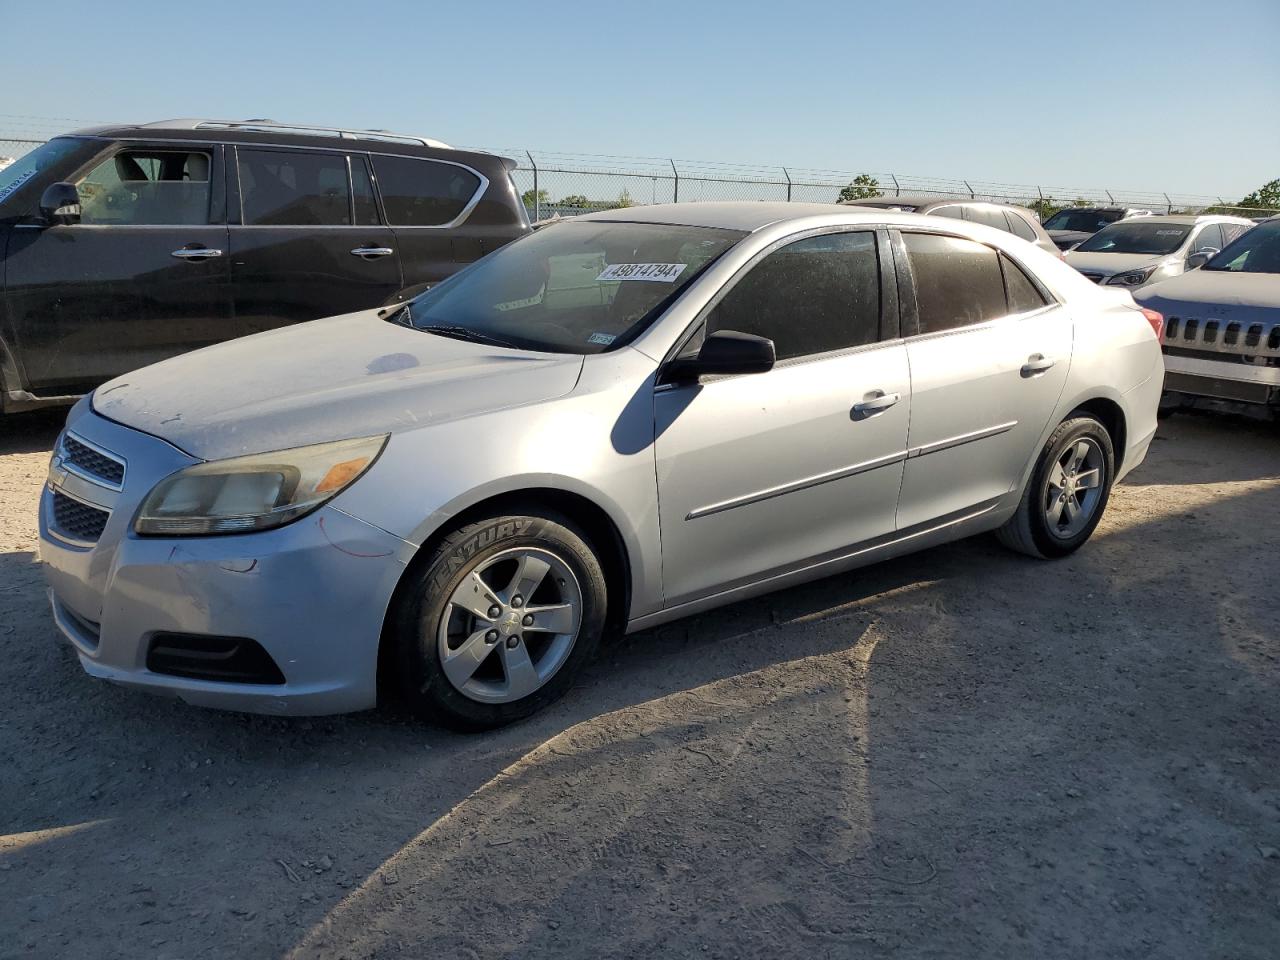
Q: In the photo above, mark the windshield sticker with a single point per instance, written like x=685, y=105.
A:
x=654, y=272
x=1168, y=233
x=604, y=339
x=519, y=304
x=22, y=178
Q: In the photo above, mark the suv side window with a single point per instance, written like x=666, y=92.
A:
x=1210, y=237
x=811, y=296
x=1230, y=231
x=423, y=193
x=952, y=210
x=1019, y=226
x=152, y=187
x=987, y=216
x=294, y=188
x=958, y=282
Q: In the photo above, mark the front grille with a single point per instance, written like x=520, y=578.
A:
x=93, y=462
x=1258, y=342
x=224, y=659
x=78, y=520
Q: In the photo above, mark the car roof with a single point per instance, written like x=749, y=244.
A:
x=1187, y=220
x=746, y=215
x=919, y=200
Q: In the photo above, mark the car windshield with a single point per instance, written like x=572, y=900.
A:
x=30, y=164
x=1137, y=236
x=1084, y=221
x=1258, y=251
x=575, y=287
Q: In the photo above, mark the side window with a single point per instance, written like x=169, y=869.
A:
x=1208, y=238
x=1019, y=226
x=294, y=188
x=1024, y=295
x=811, y=296
x=147, y=187
x=1230, y=231
x=423, y=193
x=958, y=281
x=366, y=207
x=952, y=211
x=987, y=216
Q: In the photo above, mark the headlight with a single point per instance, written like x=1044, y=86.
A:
x=1132, y=278
x=257, y=492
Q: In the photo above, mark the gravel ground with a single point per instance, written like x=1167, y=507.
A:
x=963, y=753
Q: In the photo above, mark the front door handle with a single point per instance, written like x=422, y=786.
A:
x=874, y=405
x=196, y=253
x=1036, y=364
x=372, y=253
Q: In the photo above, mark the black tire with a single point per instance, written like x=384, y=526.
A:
x=1028, y=530
x=424, y=601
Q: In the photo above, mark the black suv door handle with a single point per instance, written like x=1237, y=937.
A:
x=372, y=253
x=193, y=251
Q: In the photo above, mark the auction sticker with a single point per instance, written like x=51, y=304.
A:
x=653, y=272
x=22, y=178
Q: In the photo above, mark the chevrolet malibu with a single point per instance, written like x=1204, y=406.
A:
x=620, y=420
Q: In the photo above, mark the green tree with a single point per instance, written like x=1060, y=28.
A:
x=864, y=187
x=1266, y=197
x=1044, y=207
x=531, y=199
x=574, y=200
x=624, y=199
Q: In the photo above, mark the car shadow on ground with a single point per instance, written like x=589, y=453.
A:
x=31, y=432
x=961, y=740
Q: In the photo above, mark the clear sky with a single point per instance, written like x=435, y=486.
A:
x=1178, y=95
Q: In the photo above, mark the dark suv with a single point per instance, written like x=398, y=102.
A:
x=120, y=246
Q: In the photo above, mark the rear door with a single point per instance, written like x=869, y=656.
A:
x=141, y=277
x=760, y=473
x=306, y=237
x=989, y=356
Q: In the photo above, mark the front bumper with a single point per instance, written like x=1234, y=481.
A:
x=1222, y=379
x=313, y=594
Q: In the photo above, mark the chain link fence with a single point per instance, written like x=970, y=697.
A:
x=565, y=185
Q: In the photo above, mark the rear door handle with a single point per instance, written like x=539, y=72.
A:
x=1036, y=364
x=877, y=404
x=372, y=253
x=196, y=253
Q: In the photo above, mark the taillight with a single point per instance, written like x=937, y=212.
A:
x=1156, y=320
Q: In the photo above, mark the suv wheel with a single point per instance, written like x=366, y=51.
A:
x=1067, y=493
x=499, y=621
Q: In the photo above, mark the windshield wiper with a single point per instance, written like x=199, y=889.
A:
x=402, y=317
x=465, y=333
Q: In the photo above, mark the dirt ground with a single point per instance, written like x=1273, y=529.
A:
x=964, y=753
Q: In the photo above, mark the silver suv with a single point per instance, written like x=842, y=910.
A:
x=1132, y=253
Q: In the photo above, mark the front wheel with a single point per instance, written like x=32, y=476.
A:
x=1067, y=493
x=499, y=620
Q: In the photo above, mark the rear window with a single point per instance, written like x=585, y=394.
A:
x=987, y=216
x=1019, y=227
x=423, y=193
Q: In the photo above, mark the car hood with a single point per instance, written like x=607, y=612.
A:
x=1068, y=238
x=1246, y=297
x=349, y=376
x=1110, y=263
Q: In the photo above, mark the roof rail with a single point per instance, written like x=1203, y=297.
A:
x=191, y=123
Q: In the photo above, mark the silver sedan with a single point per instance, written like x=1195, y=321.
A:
x=617, y=421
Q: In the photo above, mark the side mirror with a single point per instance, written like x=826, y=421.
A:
x=1199, y=259
x=725, y=352
x=60, y=204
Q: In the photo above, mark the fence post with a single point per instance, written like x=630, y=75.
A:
x=537, y=204
x=1109, y=196
x=897, y=191
x=969, y=188
x=1168, y=204
x=675, y=195
x=788, y=176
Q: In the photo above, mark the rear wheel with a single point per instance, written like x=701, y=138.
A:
x=1068, y=491
x=498, y=622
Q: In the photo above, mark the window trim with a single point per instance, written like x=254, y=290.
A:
x=217, y=210
x=456, y=221
x=907, y=287
x=890, y=332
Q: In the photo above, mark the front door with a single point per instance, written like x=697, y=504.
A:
x=141, y=277
x=762, y=473
x=989, y=360
x=306, y=238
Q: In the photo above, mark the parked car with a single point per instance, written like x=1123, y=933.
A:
x=1074, y=225
x=1222, y=337
x=1019, y=221
x=120, y=246
x=626, y=418
x=1146, y=250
